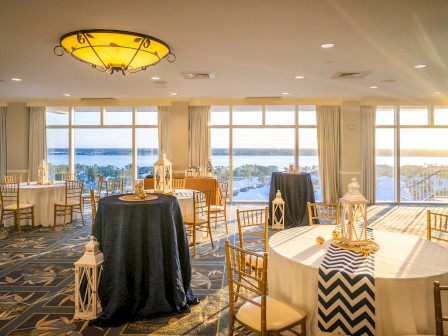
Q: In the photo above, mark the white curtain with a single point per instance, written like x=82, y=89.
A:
x=328, y=151
x=164, y=119
x=37, y=150
x=368, y=176
x=199, y=136
x=2, y=142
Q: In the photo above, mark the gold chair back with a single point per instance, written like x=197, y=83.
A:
x=93, y=203
x=440, y=318
x=253, y=228
x=12, y=178
x=219, y=212
x=72, y=201
x=178, y=183
x=11, y=206
x=115, y=187
x=323, y=213
x=69, y=177
x=437, y=226
x=200, y=220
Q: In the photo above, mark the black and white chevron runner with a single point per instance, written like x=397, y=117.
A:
x=346, y=292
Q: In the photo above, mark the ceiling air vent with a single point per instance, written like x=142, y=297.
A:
x=199, y=75
x=351, y=75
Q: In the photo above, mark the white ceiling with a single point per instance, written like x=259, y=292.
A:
x=256, y=47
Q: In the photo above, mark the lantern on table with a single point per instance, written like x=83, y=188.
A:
x=88, y=271
x=42, y=173
x=278, y=212
x=163, y=175
x=354, y=216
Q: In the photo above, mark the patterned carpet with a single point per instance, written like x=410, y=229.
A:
x=37, y=278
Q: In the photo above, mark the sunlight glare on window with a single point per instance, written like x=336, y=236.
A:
x=307, y=115
x=247, y=115
x=280, y=115
x=440, y=115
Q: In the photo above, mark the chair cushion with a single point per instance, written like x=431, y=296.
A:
x=13, y=207
x=69, y=203
x=190, y=219
x=278, y=314
x=216, y=208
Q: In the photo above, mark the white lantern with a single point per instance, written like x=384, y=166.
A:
x=278, y=212
x=163, y=175
x=42, y=173
x=88, y=271
x=354, y=216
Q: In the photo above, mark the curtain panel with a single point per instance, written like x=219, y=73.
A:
x=199, y=136
x=164, y=121
x=328, y=150
x=3, y=146
x=368, y=172
x=37, y=150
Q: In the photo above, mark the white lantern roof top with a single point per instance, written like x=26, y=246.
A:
x=162, y=160
x=92, y=247
x=353, y=195
x=278, y=198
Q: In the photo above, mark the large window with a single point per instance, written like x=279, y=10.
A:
x=99, y=141
x=409, y=144
x=250, y=142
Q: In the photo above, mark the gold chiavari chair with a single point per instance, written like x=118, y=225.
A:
x=323, y=213
x=178, y=183
x=93, y=204
x=114, y=187
x=72, y=202
x=437, y=226
x=200, y=220
x=97, y=191
x=219, y=212
x=440, y=318
x=69, y=177
x=11, y=206
x=258, y=312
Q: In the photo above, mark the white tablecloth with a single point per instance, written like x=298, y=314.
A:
x=43, y=198
x=405, y=268
x=185, y=199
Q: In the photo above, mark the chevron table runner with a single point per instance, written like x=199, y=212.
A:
x=346, y=292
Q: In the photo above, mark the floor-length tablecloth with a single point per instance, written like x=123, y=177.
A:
x=405, y=268
x=296, y=190
x=147, y=269
x=43, y=198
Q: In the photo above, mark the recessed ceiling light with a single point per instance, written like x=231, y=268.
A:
x=437, y=92
x=67, y=94
x=327, y=45
x=174, y=94
x=16, y=79
x=285, y=93
x=420, y=66
x=299, y=77
x=374, y=87
x=155, y=78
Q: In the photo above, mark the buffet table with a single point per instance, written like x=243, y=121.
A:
x=43, y=198
x=147, y=269
x=194, y=183
x=405, y=268
x=297, y=190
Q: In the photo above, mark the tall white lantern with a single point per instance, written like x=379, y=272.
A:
x=278, y=212
x=42, y=173
x=88, y=271
x=354, y=216
x=163, y=175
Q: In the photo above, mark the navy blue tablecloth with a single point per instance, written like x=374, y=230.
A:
x=296, y=189
x=147, y=267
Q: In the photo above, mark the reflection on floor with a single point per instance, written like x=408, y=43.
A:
x=37, y=283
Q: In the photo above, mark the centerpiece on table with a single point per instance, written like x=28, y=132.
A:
x=42, y=173
x=163, y=172
x=354, y=233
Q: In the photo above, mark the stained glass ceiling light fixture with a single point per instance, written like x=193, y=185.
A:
x=114, y=50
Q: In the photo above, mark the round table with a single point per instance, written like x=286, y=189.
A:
x=43, y=198
x=405, y=268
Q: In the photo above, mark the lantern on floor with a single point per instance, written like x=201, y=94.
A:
x=163, y=175
x=88, y=271
x=278, y=212
x=354, y=216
